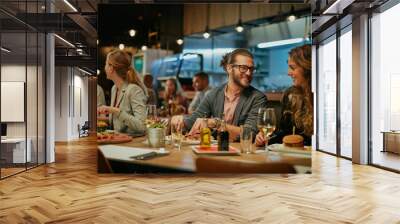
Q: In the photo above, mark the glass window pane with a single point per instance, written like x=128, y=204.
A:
x=15, y=150
x=346, y=94
x=385, y=84
x=327, y=97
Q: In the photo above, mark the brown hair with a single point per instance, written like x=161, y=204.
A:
x=201, y=75
x=229, y=58
x=121, y=61
x=304, y=117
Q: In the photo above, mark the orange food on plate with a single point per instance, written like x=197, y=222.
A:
x=293, y=141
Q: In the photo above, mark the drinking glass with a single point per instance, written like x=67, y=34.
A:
x=151, y=115
x=246, y=139
x=266, y=122
x=176, y=136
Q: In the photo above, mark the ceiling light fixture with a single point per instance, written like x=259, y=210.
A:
x=207, y=34
x=70, y=5
x=98, y=72
x=132, y=32
x=239, y=27
x=121, y=46
x=64, y=40
x=179, y=41
x=291, y=17
x=280, y=43
x=144, y=48
x=5, y=50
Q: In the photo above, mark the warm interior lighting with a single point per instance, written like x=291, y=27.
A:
x=239, y=29
x=279, y=43
x=98, y=72
x=70, y=5
x=291, y=17
x=121, y=46
x=179, y=41
x=206, y=34
x=144, y=48
x=132, y=32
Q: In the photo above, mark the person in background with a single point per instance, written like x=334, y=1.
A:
x=128, y=95
x=237, y=100
x=173, y=99
x=200, y=85
x=101, y=100
x=148, y=82
x=297, y=101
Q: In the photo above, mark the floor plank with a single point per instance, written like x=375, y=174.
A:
x=70, y=191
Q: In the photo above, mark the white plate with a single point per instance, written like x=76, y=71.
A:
x=285, y=149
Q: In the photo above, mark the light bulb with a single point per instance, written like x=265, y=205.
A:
x=291, y=18
x=179, y=41
x=132, y=32
x=98, y=72
x=144, y=48
x=239, y=29
x=206, y=35
x=121, y=46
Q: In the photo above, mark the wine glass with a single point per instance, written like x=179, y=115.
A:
x=151, y=115
x=266, y=122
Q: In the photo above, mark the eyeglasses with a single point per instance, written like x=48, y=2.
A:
x=245, y=68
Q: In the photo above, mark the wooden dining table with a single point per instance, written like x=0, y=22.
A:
x=184, y=159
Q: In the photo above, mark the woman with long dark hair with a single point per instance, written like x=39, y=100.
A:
x=297, y=101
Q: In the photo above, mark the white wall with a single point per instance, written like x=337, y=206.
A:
x=71, y=102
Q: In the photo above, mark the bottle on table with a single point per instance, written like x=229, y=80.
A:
x=223, y=137
x=205, y=134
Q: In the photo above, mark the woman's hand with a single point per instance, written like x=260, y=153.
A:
x=260, y=139
x=107, y=110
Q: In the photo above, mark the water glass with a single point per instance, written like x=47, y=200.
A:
x=176, y=136
x=246, y=139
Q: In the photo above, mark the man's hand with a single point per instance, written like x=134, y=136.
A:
x=177, y=121
x=199, y=124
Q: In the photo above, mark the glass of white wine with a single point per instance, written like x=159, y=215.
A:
x=266, y=122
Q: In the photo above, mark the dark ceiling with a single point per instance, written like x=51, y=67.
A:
x=163, y=21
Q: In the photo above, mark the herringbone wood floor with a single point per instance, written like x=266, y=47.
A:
x=70, y=191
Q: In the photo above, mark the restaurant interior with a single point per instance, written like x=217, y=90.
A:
x=52, y=62
x=178, y=41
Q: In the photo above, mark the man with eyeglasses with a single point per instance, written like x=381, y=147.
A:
x=237, y=101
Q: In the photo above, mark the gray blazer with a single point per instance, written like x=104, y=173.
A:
x=132, y=104
x=245, y=113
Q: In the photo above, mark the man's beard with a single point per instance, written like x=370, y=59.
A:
x=236, y=80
